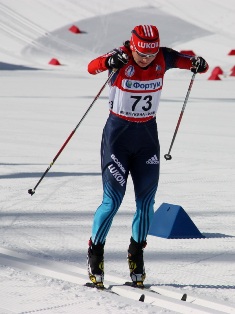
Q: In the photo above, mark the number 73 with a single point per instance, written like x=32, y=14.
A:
x=147, y=100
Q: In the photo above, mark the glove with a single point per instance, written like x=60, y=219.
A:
x=117, y=60
x=199, y=65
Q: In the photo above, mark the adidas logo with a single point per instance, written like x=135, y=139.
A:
x=153, y=161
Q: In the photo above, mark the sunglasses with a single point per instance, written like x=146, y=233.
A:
x=143, y=55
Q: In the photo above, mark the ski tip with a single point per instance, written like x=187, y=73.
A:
x=142, y=298
x=184, y=297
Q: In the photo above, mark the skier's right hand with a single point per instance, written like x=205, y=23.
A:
x=116, y=60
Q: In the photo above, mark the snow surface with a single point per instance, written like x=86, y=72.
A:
x=41, y=104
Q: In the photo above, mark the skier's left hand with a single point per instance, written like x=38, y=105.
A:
x=199, y=65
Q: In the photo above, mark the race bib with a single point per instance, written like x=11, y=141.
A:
x=138, y=99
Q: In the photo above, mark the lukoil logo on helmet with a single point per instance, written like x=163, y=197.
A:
x=145, y=45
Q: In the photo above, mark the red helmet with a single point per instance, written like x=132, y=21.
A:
x=145, y=39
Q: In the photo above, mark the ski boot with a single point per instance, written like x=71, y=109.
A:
x=95, y=263
x=136, y=263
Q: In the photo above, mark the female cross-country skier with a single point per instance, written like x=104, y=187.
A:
x=130, y=140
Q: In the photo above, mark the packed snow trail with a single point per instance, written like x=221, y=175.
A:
x=154, y=295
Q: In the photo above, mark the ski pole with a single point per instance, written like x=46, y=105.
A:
x=168, y=155
x=32, y=191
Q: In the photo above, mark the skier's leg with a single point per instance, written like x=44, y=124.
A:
x=95, y=263
x=145, y=175
x=135, y=260
x=112, y=198
x=114, y=163
x=103, y=218
x=115, y=169
x=144, y=210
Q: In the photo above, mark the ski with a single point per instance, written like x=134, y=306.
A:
x=139, y=288
x=152, y=288
x=173, y=294
x=108, y=289
x=147, y=295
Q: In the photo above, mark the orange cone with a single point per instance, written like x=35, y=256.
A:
x=232, y=52
x=74, y=29
x=214, y=77
x=232, y=71
x=217, y=71
x=54, y=62
x=215, y=74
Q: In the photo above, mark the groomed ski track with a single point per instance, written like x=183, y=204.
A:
x=158, y=296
